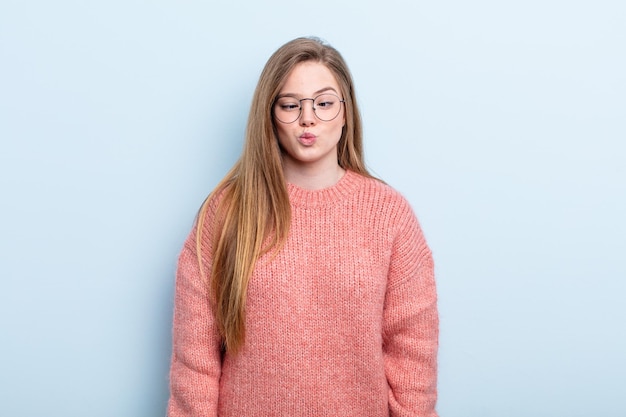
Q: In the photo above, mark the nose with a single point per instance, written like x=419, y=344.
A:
x=307, y=113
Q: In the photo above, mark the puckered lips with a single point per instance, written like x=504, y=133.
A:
x=307, y=138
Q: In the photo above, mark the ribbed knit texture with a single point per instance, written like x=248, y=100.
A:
x=342, y=322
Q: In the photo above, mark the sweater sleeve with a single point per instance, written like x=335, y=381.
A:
x=196, y=360
x=411, y=323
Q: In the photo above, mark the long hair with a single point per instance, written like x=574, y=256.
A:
x=252, y=213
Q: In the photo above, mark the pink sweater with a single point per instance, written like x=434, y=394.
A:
x=343, y=322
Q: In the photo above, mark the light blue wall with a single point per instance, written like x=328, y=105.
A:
x=502, y=122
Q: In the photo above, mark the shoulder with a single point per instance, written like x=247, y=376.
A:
x=395, y=219
x=209, y=220
x=381, y=195
x=385, y=207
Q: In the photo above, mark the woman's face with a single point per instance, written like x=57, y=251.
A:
x=309, y=142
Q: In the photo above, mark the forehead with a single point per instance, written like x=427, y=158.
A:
x=308, y=78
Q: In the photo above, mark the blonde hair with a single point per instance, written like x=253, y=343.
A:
x=253, y=214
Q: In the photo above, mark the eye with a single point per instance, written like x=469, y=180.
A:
x=289, y=105
x=325, y=102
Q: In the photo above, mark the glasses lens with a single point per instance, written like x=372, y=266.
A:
x=327, y=106
x=287, y=109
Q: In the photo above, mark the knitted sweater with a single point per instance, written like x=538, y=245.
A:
x=342, y=322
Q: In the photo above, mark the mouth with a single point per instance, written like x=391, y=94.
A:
x=307, y=138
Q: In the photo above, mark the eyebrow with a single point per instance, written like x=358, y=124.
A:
x=318, y=92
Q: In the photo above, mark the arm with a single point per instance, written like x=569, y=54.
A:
x=196, y=364
x=411, y=324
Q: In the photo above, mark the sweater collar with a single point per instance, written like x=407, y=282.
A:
x=346, y=186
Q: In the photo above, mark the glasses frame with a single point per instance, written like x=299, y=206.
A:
x=312, y=106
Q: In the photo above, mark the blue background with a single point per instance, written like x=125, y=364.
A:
x=502, y=122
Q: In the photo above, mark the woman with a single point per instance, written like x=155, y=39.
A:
x=306, y=287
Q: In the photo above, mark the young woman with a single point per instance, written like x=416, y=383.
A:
x=306, y=287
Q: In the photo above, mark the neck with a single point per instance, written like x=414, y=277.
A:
x=313, y=178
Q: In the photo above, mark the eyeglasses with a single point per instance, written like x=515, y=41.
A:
x=325, y=106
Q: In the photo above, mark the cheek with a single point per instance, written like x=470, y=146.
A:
x=341, y=125
x=282, y=136
x=279, y=130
